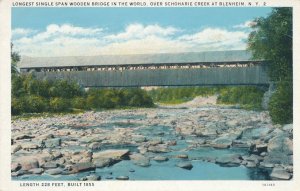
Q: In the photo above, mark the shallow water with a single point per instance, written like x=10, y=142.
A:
x=198, y=156
x=165, y=171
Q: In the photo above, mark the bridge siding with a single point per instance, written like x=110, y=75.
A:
x=255, y=75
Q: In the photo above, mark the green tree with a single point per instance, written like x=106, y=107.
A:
x=272, y=40
x=15, y=58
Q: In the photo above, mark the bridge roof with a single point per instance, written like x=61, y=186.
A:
x=138, y=59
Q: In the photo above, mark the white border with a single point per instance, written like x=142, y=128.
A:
x=5, y=179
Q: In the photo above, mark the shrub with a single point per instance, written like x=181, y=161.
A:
x=18, y=106
x=35, y=104
x=58, y=104
x=79, y=103
x=281, y=103
x=247, y=97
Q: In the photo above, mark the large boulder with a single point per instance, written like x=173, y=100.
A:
x=160, y=158
x=28, y=162
x=81, y=167
x=103, y=162
x=50, y=143
x=15, y=148
x=281, y=144
x=29, y=146
x=280, y=174
x=288, y=127
x=224, y=141
x=158, y=149
x=140, y=160
x=55, y=171
x=255, y=133
x=185, y=165
x=229, y=160
x=112, y=154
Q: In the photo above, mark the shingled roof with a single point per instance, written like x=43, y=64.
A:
x=165, y=58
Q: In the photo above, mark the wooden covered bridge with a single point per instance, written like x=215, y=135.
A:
x=169, y=69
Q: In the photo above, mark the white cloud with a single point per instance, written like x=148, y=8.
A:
x=68, y=40
x=139, y=31
x=22, y=32
x=245, y=25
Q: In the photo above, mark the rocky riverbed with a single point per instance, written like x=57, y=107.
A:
x=189, y=143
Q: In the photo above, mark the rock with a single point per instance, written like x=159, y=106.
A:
x=255, y=133
x=81, y=167
x=113, y=154
x=240, y=144
x=140, y=160
x=122, y=178
x=288, y=127
x=261, y=148
x=36, y=170
x=172, y=143
x=131, y=170
x=220, y=146
x=266, y=165
x=56, y=154
x=182, y=156
x=15, y=148
x=233, y=123
x=55, y=171
x=158, y=149
x=23, y=136
x=185, y=165
x=281, y=144
x=139, y=138
x=95, y=146
x=253, y=158
x=83, y=179
x=28, y=162
x=15, y=167
x=103, y=162
x=229, y=160
x=155, y=142
x=20, y=173
x=278, y=158
x=49, y=165
x=251, y=164
x=29, y=145
x=280, y=174
x=263, y=154
x=50, y=143
x=160, y=158
x=93, y=177
x=45, y=136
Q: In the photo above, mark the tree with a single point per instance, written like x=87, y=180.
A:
x=15, y=58
x=272, y=40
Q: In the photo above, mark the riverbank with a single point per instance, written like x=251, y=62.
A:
x=135, y=143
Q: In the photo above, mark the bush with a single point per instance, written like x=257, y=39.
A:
x=180, y=94
x=18, y=106
x=247, y=97
x=35, y=104
x=28, y=104
x=281, y=103
x=58, y=104
x=65, y=89
x=79, y=103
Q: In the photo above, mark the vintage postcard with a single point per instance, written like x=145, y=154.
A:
x=152, y=95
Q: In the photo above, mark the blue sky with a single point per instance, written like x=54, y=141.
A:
x=94, y=31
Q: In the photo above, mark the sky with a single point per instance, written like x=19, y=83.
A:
x=40, y=32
